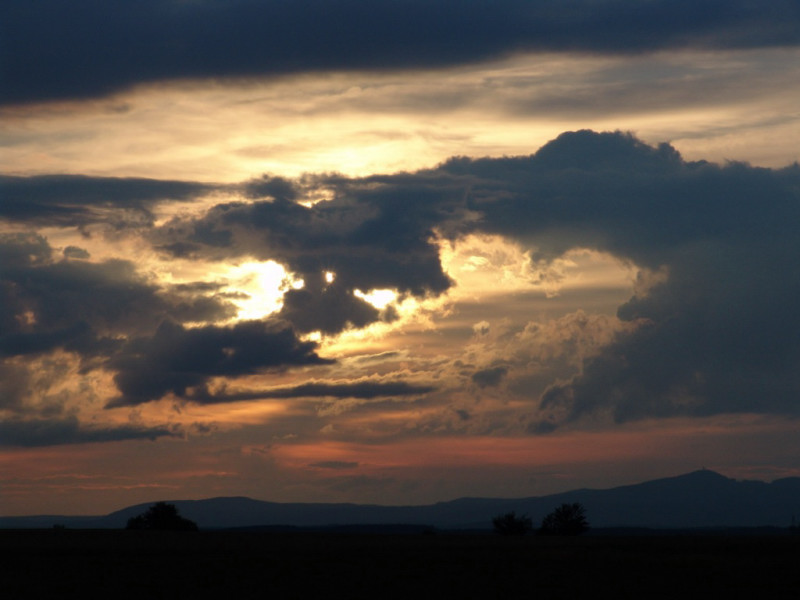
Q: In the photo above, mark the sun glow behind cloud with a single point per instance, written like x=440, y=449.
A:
x=363, y=123
x=257, y=287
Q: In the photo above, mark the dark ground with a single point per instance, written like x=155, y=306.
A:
x=65, y=564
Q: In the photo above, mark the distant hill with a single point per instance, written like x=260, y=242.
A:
x=695, y=500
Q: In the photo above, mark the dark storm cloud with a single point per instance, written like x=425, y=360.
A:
x=52, y=50
x=68, y=430
x=74, y=200
x=79, y=305
x=328, y=308
x=176, y=359
x=719, y=333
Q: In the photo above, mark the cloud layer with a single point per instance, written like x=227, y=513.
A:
x=55, y=51
x=710, y=326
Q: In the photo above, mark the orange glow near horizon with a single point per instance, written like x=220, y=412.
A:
x=643, y=440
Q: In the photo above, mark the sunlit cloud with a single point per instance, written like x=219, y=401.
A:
x=211, y=131
x=320, y=264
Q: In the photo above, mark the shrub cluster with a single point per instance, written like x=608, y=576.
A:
x=567, y=519
x=161, y=516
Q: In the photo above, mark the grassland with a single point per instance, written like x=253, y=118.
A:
x=116, y=565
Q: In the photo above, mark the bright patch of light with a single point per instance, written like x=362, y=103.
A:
x=260, y=287
x=380, y=299
x=330, y=276
x=485, y=265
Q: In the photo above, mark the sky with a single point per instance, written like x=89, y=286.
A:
x=394, y=252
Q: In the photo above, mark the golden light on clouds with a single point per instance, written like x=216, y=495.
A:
x=380, y=299
x=294, y=269
x=229, y=132
x=484, y=264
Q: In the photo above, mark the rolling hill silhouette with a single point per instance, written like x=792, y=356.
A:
x=701, y=499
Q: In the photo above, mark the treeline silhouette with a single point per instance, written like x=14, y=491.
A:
x=162, y=517
x=567, y=519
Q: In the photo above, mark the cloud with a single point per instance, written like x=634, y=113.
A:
x=53, y=51
x=55, y=432
x=76, y=252
x=715, y=331
x=376, y=233
x=710, y=333
x=176, y=359
x=79, y=305
x=328, y=308
x=365, y=389
x=14, y=386
x=489, y=377
x=708, y=328
x=358, y=389
x=75, y=200
x=350, y=389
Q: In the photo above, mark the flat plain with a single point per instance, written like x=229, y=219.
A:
x=64, y=563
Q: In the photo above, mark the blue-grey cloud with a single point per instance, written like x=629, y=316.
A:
x=68, y=430
x=53, y=50
x=82, y=306
x=368, y=389
x=176, y=359
x=719, y=333
x=74, y=200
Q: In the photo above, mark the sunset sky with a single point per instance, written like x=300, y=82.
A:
x=394, y=252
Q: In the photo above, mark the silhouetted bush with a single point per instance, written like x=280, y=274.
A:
x=511, y=524
x=161, y=516
x=567, y=519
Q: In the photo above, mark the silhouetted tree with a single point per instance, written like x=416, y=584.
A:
x=511, y=524
x=567, y=519
x=161, y=516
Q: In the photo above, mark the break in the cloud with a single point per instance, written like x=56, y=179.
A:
x=56, y=50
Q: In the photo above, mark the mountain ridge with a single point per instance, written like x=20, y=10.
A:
x=699, y=499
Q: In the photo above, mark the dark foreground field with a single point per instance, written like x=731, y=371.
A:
x=230, y=565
